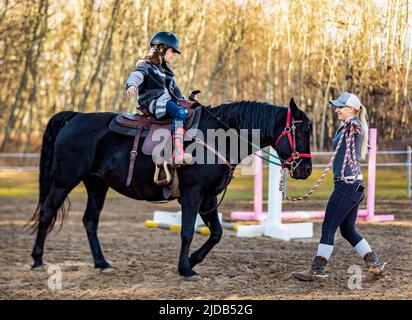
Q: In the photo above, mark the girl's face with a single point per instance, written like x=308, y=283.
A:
x=345, y=113
x=170, y=55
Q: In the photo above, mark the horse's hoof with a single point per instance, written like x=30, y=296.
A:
x=189, y=275
x=37, y=265
x=195, y=277
x=108, y=270
x=103, y=265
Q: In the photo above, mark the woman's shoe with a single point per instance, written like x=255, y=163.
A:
x=375, y=265
x=316, y=271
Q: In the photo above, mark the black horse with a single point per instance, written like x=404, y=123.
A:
x=80, y=147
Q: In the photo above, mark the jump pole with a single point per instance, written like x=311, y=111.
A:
x=174, y=218
x=272, y=226
x=176, y=227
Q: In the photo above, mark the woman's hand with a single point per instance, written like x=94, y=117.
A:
x=132, y=91
x=355, y=125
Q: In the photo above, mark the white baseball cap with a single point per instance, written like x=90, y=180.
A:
x=347, y=99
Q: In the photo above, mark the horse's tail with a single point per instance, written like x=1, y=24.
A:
x=54, y=125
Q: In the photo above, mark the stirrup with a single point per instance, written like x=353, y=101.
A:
x=167, y=179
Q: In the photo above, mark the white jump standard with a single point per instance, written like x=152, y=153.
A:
x=272, y=225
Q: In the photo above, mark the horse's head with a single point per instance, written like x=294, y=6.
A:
x=293, y=142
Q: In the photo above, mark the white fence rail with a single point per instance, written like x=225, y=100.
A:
x=407, y=164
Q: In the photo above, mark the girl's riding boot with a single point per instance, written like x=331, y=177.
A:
x=316, y=271
x=179, y=157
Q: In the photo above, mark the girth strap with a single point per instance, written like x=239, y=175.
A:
x=133, y=155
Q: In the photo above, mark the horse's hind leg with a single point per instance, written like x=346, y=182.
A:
x=211, y=220
x=96, y=190
x=190, y=200
x=48, y=212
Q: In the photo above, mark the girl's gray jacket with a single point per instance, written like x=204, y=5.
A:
x=151, y=81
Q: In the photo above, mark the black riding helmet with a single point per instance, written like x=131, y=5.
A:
x=166, y=38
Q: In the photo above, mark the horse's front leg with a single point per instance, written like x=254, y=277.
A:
x=190, y=201
x=211, y=219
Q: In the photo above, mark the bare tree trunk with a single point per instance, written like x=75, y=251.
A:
x=4, y=12
x=234, y=61
x=318, y=97
x=104, y=54
x=269, y=67
x=324, y=109
x=32, y=56
x=199, y=40
x=406, y=98
x=107, y=59
x=290, y=69
x=222, y=57
x=120, y=86
x=84, y=46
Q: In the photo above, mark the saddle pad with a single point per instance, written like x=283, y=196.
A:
x=193, y=123
x=127, y=131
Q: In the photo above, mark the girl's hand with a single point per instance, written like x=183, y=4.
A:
x=132, y=91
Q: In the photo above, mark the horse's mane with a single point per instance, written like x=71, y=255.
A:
x=247, y=114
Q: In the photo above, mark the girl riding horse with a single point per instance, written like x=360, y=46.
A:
x=158, y=91
x=80, y=147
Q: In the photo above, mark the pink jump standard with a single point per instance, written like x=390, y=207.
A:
x=367, y=214
x=257, y=214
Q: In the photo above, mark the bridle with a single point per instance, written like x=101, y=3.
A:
x=292, y=160
x=296, y=157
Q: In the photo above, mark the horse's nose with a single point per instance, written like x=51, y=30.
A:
x=308, y=171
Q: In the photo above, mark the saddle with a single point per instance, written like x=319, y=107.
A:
x=144, y=125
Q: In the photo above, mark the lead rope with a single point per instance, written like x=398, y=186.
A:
x=350, y=140
x=350, y=156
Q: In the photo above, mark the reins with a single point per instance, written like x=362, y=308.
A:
x=205, y=108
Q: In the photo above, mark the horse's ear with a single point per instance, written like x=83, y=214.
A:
x=294, y=108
